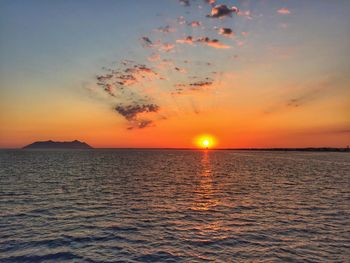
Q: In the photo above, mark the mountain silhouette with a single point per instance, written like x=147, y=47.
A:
x=58, y=145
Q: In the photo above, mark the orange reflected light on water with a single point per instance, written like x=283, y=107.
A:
x=204, y=191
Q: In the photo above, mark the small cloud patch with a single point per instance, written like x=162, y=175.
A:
x=283, y=11
x=225, y=31
x=221, y=11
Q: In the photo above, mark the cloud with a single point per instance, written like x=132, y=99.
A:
x=195, y=24
x=225, y=31
x=339, y=130
x=200, y=85
x=116, y=81
x=140, y=68
x=342, y=130
x=165, y=47
x=166, y=29
x=283, y=11
x=154, y=57
x=313, y=91
x=215, y=43
x=164, y=65
x=129, y=85
x=138, y=73
x=298, y=96
x=212, y=43
x=144, y=123
x=130, y=112
x=109, y=89
x=126, y=85
x=194, y=86
x=146, y=42
x=211, y=2
x=245, y=13
x=303, y=98
x=181, y=70
x=187, y=40
x=125, y=62
x=221, y=11
x=106, y=77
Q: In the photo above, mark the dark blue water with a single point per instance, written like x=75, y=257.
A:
x=174, y=206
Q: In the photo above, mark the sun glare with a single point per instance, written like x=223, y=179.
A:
x=205, y=141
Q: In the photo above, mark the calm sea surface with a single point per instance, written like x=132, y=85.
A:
x=174, y=206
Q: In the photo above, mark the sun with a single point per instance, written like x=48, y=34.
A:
x=205, y=141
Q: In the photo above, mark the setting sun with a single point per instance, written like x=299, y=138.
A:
x=205, y=141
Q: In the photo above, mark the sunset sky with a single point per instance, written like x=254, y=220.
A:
x=158, y=73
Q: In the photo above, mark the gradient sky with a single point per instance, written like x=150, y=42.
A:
x=140, y=74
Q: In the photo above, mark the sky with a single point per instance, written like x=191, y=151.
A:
x=158, y=73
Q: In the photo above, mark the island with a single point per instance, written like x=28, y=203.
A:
x=58, y=145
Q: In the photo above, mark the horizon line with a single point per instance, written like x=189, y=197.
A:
x=319, y=148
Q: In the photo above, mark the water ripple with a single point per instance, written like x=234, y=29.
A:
x=174, y=206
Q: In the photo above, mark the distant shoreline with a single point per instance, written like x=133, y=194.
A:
x=309, y=149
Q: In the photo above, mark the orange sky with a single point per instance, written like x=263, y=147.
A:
x=164, y=79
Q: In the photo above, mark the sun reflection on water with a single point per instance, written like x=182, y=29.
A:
x=204, y=191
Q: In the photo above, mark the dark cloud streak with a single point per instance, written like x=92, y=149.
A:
x=130, y=112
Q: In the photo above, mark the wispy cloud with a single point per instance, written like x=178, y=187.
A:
x=303, y=95
x=245, y=13
x=165, y=47
x=283, y=11
x=184, y=88
x=195, y=24
x=166, y=29
x=154, y=57
x=339, y=130
x=187, y=40
x=215, y=43
x=133, y=87
x=158, y=45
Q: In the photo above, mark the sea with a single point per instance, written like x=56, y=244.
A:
x=174, y=206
